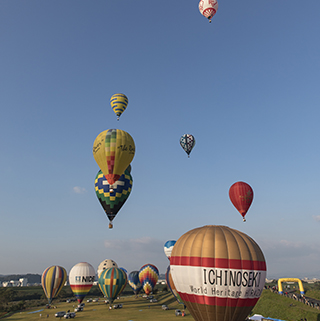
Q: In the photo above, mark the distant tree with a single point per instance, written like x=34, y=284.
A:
x=7, y=295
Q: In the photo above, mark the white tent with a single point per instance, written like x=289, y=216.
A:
x=256, y=317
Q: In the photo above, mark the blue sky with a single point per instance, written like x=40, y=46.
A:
x=246, y=86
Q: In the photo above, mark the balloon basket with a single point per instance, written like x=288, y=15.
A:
x=244, y=220
x=110, y=225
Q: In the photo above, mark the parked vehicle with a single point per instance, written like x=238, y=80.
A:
x=60, y=314
x=178, y=312
x=164, y=307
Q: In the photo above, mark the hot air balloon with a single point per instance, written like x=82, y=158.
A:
x=119, y=103
x=105, y=264
x=113, y=199
x=172, y=287
x=112, y=281
x=113, y=150
x=81, y=278
x=218, y=272
x=208, y=8
x=168, y=246
x=187, y=142
x=148, y=276
x=134, y=282
x=53, y=279
x=241, y=196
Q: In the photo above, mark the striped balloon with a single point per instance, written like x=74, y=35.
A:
x=134, y=282
x=148, y=276
x=119, y=103
x=112, y=281
x=219, y=273
x=81, y=278
x=53, y=279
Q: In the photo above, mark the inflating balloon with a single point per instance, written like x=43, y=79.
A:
x=113, y=198
x=113, y=150
x=187, y=142
x=218, y=272
x=241, y=196
x=134, y=282
x=53, y=279
x=119, y=103
x=112, y=281
x=81, y=278
x=105, y=264
x=168, y=246
x=208, y=8
x=148, y=276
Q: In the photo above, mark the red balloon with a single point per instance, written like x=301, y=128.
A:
x=241, y=196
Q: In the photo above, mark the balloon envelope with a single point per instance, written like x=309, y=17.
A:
x=112, y=199
x=134, y=282
x=148, y=276
x=219, y=273
x=81, y=278
x=208, y=8
x=53, y=279
x=241, y=196
x=113, y=150
x=105, y=264
x=187, y=142
x=172, y=287
x=168, y=246
x=112, y=282
x=119, y=103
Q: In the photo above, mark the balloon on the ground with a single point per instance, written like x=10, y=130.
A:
x=53, y=279
x=187, y=142
x=148, y=276
x=112, y=281
x=171, y=286
x=112, y=198
x=134, y=282
x=241, y=196
x=168, y=246
x=106, y=264
x=81, y=278
x=218, y=272
x=208, y=8
x=113, y=150
x=119, y=103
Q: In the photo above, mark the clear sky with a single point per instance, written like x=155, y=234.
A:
x=246, y=86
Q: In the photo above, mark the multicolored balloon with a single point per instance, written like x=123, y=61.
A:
x=119, y=103
x=172, y=287
x=241, y=196
x=112, y=197
x=218, y=272
x=168, y=246
x=53, y=279
x=112, y=281
x=106, y=264
x=187, y=142
x=208, y=8
x=134, y=282
x=113, y=150
x=81, y=278
x=148, y=276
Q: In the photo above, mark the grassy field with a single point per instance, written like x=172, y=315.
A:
x=133, y=309
x=136, y=309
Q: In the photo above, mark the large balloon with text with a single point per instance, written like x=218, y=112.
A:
x=148, y=276
x=81, y=278
x=241, y=196
x=53, y=279
x=119, y=103
x=208, y=8
x=113, y=150
x=187, y=142
x=112, y=281
x=113, y=198
x=134, y=282
x=218, y=272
